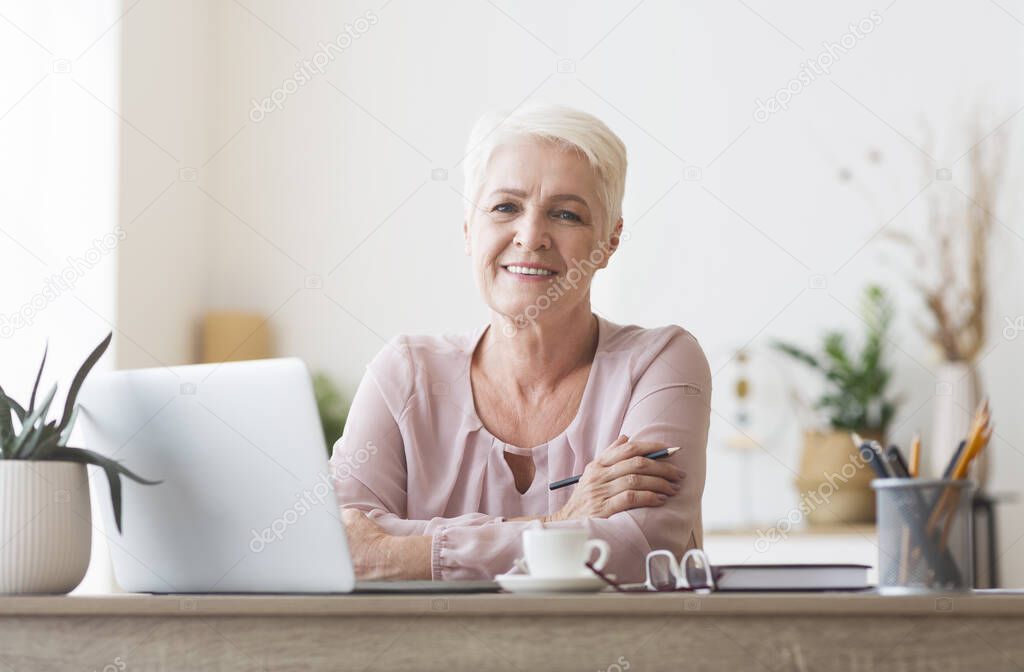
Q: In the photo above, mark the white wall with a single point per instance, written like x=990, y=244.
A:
x=59, y=137
x=326, y=217
x=164, y=262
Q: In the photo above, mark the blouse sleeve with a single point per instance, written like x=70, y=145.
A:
x=368, y=468
x=671, y=403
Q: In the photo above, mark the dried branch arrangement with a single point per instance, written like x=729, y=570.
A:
x=950, y=260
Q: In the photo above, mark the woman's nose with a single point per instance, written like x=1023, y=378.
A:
x=532, y=231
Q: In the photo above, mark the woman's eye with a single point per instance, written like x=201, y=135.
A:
x=505, y=207
x=568, y=215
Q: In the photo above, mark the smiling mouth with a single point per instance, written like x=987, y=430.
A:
x=529, y=271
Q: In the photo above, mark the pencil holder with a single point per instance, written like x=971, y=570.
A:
x=925, y=541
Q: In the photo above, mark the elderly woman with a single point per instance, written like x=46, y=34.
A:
x=452, y=440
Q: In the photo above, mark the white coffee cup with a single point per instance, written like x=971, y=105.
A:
x=562, y=553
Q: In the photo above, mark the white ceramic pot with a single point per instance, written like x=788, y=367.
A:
x=45, y=526
x=957, y=393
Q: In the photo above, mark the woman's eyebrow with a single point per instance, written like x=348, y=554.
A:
x=570, y=197
x=557, y=197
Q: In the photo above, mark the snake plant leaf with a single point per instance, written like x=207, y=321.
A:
x=6, y=426
x=62, y=453
x=113, y=469
x=65, y=434
x=76, y=384
x=49, y=438
x=86, y=456
x=14, y=406
x=39, y=439
x=44, y=436
x=28, y=428
x=35, y=387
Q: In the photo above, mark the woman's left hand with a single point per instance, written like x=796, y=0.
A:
x=377, y=555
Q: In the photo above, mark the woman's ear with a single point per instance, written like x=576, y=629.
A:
x=611, y=244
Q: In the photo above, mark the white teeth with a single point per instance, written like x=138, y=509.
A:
x=525, y=270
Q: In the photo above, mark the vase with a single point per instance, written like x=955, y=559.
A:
x=45, y=526
x=957, y=393
x=834, y=482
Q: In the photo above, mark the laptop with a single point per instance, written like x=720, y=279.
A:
x=246, y=504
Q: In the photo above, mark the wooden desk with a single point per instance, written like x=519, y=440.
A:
x=604, y=632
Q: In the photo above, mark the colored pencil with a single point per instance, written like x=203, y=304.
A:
x=915, y=455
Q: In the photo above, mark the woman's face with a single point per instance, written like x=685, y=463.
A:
x=535, y=235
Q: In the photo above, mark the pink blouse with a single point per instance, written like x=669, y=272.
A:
x=416, y=458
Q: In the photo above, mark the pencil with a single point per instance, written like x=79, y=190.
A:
x=915, y=455
x=963, y=458
x=983, y=442
x=920, y=546
x=976, y=439
x=572, y=480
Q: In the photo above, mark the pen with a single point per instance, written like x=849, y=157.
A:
x=664, y=452
x=874, y=459
x=896, y=461
x=913, y=518
x=953, y=460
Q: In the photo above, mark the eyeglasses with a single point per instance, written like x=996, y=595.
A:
x=664, y=574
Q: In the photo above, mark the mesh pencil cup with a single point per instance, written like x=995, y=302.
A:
x=925, y=541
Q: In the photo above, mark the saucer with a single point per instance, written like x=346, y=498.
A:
x=524, y=583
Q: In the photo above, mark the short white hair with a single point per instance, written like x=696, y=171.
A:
x=563, y=125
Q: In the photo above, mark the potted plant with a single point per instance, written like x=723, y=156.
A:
x=833, y=478
x=949, y=268
x=46, y=524
x=332, y=407
x=950, y=271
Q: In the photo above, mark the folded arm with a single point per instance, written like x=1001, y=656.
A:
x=670, y=404
x=368, y=466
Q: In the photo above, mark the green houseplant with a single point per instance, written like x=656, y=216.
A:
x=855, y=399
x=332, y=407
x=44, y=492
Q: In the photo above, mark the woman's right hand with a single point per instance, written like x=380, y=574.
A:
x=620, y=479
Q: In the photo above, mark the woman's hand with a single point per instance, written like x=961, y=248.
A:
x=620, y=479
x=377, y=555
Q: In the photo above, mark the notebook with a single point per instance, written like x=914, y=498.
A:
x=791, y=577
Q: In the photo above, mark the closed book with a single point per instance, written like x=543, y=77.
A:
x=791, y=577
